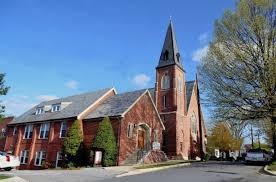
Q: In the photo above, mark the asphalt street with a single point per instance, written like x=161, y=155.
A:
x=196, y=172
x=207, y=172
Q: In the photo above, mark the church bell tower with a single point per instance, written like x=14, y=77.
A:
x=170, y=95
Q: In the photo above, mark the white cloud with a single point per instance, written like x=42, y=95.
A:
x=16, y=105
x=72, y=84
x=141, y=80
x=198, y=54
x=42, y=98
x=203, y=38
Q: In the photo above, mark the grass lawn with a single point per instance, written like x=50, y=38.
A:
x=272, y=166
x=161, y=164
x=4, y=177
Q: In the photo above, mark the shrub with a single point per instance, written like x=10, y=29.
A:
x=106, y=141
x=72, y=143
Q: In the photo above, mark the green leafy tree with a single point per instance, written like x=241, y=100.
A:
x=72, y=143
x=105, y=139
x=238, y=74
x=3, y=91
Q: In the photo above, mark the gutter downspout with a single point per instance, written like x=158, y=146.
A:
x=118, y=140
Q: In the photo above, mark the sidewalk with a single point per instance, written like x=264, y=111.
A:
x=147, y=168
x=14, y=179
x=273, y=173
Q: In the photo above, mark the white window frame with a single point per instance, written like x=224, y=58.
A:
x=28, y=130
x=25, y=155
x=180, y=84
x=59, y=158
x=44, y=128
x=62, y=125
x=130, y=128
x=56, y=107
x=193, y=124
x=14, y=130
x=40, y=156
x=165, y=82
x=39, y=110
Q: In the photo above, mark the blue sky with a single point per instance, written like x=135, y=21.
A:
x=57, y=48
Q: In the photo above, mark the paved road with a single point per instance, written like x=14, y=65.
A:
x=197, y=172
x=205, y=172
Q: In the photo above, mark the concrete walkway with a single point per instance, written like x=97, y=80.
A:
x=81, y=175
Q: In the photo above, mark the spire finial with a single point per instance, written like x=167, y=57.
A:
x=170, y=18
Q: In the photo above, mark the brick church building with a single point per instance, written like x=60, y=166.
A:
x=146, y=122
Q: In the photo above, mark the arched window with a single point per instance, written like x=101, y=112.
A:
x=179, y=84
x=166, y=55
x=165, y=81
x=193, y=123
x=178, y=57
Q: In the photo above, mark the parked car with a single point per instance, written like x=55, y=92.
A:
x=7, y=161
x=257, y=155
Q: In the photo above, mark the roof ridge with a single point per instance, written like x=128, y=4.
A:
x=84, y=93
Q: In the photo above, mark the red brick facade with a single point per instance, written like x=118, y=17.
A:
x=183, y=137
x=142, y=113
x=3, y=129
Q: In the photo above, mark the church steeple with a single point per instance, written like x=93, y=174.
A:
x=170, y=54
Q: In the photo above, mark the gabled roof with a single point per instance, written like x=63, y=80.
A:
x=152, y=93
x=170, y=54
x=189, y=91
x=120, y=104
x=116, y=105
x=76, y=104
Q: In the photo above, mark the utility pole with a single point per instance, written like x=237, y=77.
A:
x=258, y=134
x=252, y=137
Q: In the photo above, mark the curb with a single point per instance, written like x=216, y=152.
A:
x=269, y=172
x=141, y=171
x=14, y=179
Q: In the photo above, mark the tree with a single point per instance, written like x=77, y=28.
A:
x=72, y=143
x=3, y=91
x=238, y=73
x=105, y=139
x=222, y=139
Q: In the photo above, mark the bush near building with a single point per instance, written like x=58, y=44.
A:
x=105, y=140
x=72, y=145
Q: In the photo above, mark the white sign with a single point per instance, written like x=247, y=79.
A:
x=98, y=157
x=155, y=146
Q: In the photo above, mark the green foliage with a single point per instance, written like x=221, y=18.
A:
x=105, y=139
x=263, y=146
x=238, y=73
x=73, y=142
x=3, y=91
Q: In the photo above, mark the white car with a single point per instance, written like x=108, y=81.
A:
x=257, y=155
x=7, y=161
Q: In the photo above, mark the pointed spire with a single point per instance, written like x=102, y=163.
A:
x=170, y=54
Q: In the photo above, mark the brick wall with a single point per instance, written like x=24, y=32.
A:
x=51, y=145
x=3, y=127
x=142, y=112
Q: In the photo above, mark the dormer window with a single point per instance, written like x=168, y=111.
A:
x=55, y=108
x=39, y=110
x=166, y=55
x=178, y=57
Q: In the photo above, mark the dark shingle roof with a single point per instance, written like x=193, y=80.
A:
x=116, y=105
x=152, y=93
x=189, y=91
x=76, y=105
x=170, y=48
